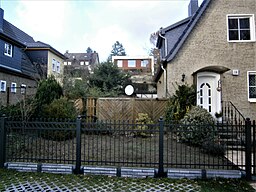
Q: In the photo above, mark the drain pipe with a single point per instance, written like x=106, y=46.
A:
x=165, y=80
x=165, y=44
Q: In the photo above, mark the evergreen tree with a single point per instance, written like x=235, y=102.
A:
x=117, y=50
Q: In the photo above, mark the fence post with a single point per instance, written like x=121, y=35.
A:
x=248, y=151
x=2, y=141
x=78, y=146
x=161, y=149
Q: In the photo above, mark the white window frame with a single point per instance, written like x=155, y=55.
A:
x=248, y=86
x=65, y=63
x=2, y=86
x=86, y=63
x=252, y=26
x=132, y=63
x=53, y=65
x=13, y=87
x=58, y=67
x=23, y=88
x=69, y=62
x=120, y=63
x=144, y=63
x=8, y=49
x=81, y=62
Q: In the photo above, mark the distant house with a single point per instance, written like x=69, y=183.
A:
x=80, y=65
x=141, y=69
x=135, y=64
x=22, y=63
x=214, y=49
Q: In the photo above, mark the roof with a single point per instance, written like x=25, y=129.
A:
x=91, y=57
x=181, y=36
x=40, y=45
x=15, y=33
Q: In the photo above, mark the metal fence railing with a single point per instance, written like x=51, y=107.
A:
x=124, y=143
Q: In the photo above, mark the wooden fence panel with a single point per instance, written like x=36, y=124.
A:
x=128, y=108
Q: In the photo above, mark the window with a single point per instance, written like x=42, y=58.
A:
x=58, y=66
x=13, y=87
x=23, y=89
x=65, y=63
x=251, y=79
x=81, y=62
x=86, y=62
x=53, y=65
x=144, y=63
x=3, y=86
x=119, y=63
x=131, y=63
x=241, y=28
x=8, y=49
x=69, y=63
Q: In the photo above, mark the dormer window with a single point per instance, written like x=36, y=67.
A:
x=8, y=49
x=241, y=28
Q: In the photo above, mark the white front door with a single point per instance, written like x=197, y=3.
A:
x=208, y=94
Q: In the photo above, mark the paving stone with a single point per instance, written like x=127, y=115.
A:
x=57, y=184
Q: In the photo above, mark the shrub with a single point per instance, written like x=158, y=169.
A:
x=178, y=105
x=143, y=122
x=197, y=126
x=214, y=148
x=60, y=108
x=48, y=90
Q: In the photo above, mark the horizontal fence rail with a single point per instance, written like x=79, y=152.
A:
x=125, y=143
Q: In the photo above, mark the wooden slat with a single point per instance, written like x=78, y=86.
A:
x=128, y=108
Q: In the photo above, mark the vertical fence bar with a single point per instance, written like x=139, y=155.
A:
x=161, y=148
x=78, y=146
x=2, y=141
x=248, y=151
x=253, y=149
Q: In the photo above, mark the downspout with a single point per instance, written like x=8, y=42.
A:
x=165, y=44
x=162, y=67
x=165, y=81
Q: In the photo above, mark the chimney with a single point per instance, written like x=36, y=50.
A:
x=1, y=19
x=192, y=7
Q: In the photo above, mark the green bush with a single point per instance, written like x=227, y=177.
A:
x=143, y=122
x=60, y=109
x=48, y=90
x=214, y=148
x=178, y=105
x=196, y=127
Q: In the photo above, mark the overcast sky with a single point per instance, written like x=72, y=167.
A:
x=74, y=25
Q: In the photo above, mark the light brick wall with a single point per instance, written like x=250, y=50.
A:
x=207, y=45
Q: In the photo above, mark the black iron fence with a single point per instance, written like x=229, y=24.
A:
x=122, y=143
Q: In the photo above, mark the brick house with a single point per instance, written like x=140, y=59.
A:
x=141, y=69
x=214, y=49
x=19, y=62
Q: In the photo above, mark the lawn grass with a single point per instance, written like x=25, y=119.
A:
x=97, y=183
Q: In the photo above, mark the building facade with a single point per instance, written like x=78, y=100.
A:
x=214, y=49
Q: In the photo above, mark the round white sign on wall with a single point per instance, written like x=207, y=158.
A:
x=129, y=90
